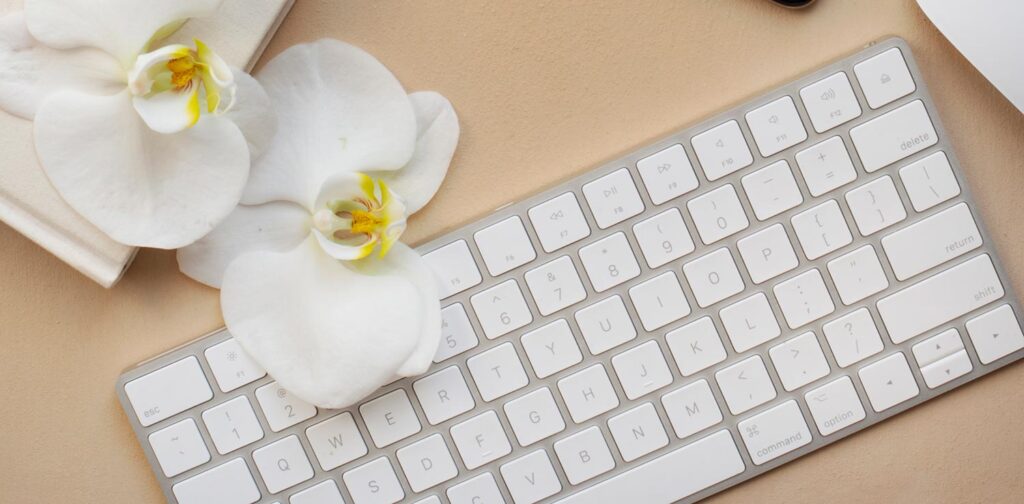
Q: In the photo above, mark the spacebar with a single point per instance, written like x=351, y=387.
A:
x=672, y=476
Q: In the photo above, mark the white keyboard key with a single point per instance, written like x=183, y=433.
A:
x=947, y=369
x=822, y=229
x=374, y=483
x=638, y=432
x=555, y=285
x=888, y=382
x=232, y=425
x=642, y=370
x=940, y=298
x=853, y=337
x=830, y=102
x=692, y=408
x=427, y=463
x=717, y=214
x=936, y=347
x=750, y=322
x=228, y=483
x=609, y=262
x=857, y=275
x=454, y=267
x=504, y=246
x=281, y=408
x=551, y=348
x=480, y=440
x=531, y=478
x=772, y=190
x=336, y=441
x=232, y=367
x=776, y=126
x=713, y=277
x=745, y=385
x=663, y=238
x=389, y=418
x=884, y=78
x=534, y=416
x=605, y=325
x=804, y=298
x=696, y=346
x=834, y=406
x=321, y=493
x=613, y=198
x=501, y=309
x=283, y=464
x=480, y=489
x=457, y=334
x=705, y=462
x=584, y=455
x=995, y=334
x=767, y=253
x=799, y=361
x=559, y=222
x=894, y=136
x=775, y=432
x=588, y=393
x=667, y=174
x=179, y=447
x=722, y=150
x=876, y=205
x=443, y=395
x=433, y=499
x=168, y=391
x=826, y=166
x=659, y=301
x=932, y=241
x=497, y=372
x=929, y=181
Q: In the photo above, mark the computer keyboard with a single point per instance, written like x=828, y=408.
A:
x=663, y=327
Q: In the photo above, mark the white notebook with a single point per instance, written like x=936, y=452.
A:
x=29, y=204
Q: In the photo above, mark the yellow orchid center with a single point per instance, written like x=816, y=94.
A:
x=364, y=216
x=183, y=70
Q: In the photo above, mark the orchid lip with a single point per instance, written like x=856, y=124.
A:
x=360, y=215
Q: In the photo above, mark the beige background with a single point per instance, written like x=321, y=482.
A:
x=544, y=89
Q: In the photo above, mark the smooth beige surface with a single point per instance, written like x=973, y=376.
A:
x=544, y=89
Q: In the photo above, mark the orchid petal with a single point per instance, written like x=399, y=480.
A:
x=140, y=187
x=275, y=226
x=30, y=71
x=253, y=113
x=438, y=134
x=170, y=111
x=339, y=110
x=328, y=331
x=122, y=28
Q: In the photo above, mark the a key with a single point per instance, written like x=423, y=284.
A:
x=667, y=174
x=857, y=275
x=497, y=372
x=480, y=489
x=168, y=391
x=457, y=334
x=283, y=464
x=588, y=393
x=281, y=408
x=663, y=238
x=389, y=418
x=637, y=432
x=821, y=229
x=555, y=285
x=480, y=440
x=551, y=348
x=501, y=309
x=894, y=136
x=427, y=463
x=929, y=181
x=559, y=222
x=584, y=455
x=750, y=322
x=717, y=214
x=875, y=205
x=884, y=78
x=374, y=483
x=454, y=268
x=696, y=346
x=804, y=298
x=776, y=126
x=504, y=246
x=179, y=447
x=609, y=262
x=888, y=382
x=799, y=361
x=834, y=406
x=774, y=433
x=995, y=334
x=321, y=493
x=232, y=425
x=443, y=395
x=534, y=416
x=232, y=367
x=605, y=325
x=722, y=150
x=853, y=337
x=826, y=166
x=659, y=301
x=745, y=385
x=713, y=277
x=642, y=370
x=830, y=102
x=930, y=242
x=336, y=441
x=767, y=253
x=772, y=190
x=531, y=478
x=228, y=483
x=613, y=198
x=692, y=408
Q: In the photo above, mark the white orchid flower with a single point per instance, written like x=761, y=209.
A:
x=353, y=157
x=149, y=142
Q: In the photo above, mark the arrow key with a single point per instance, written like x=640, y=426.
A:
x=947, y=369
x=935, y=348
x=888, y=382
